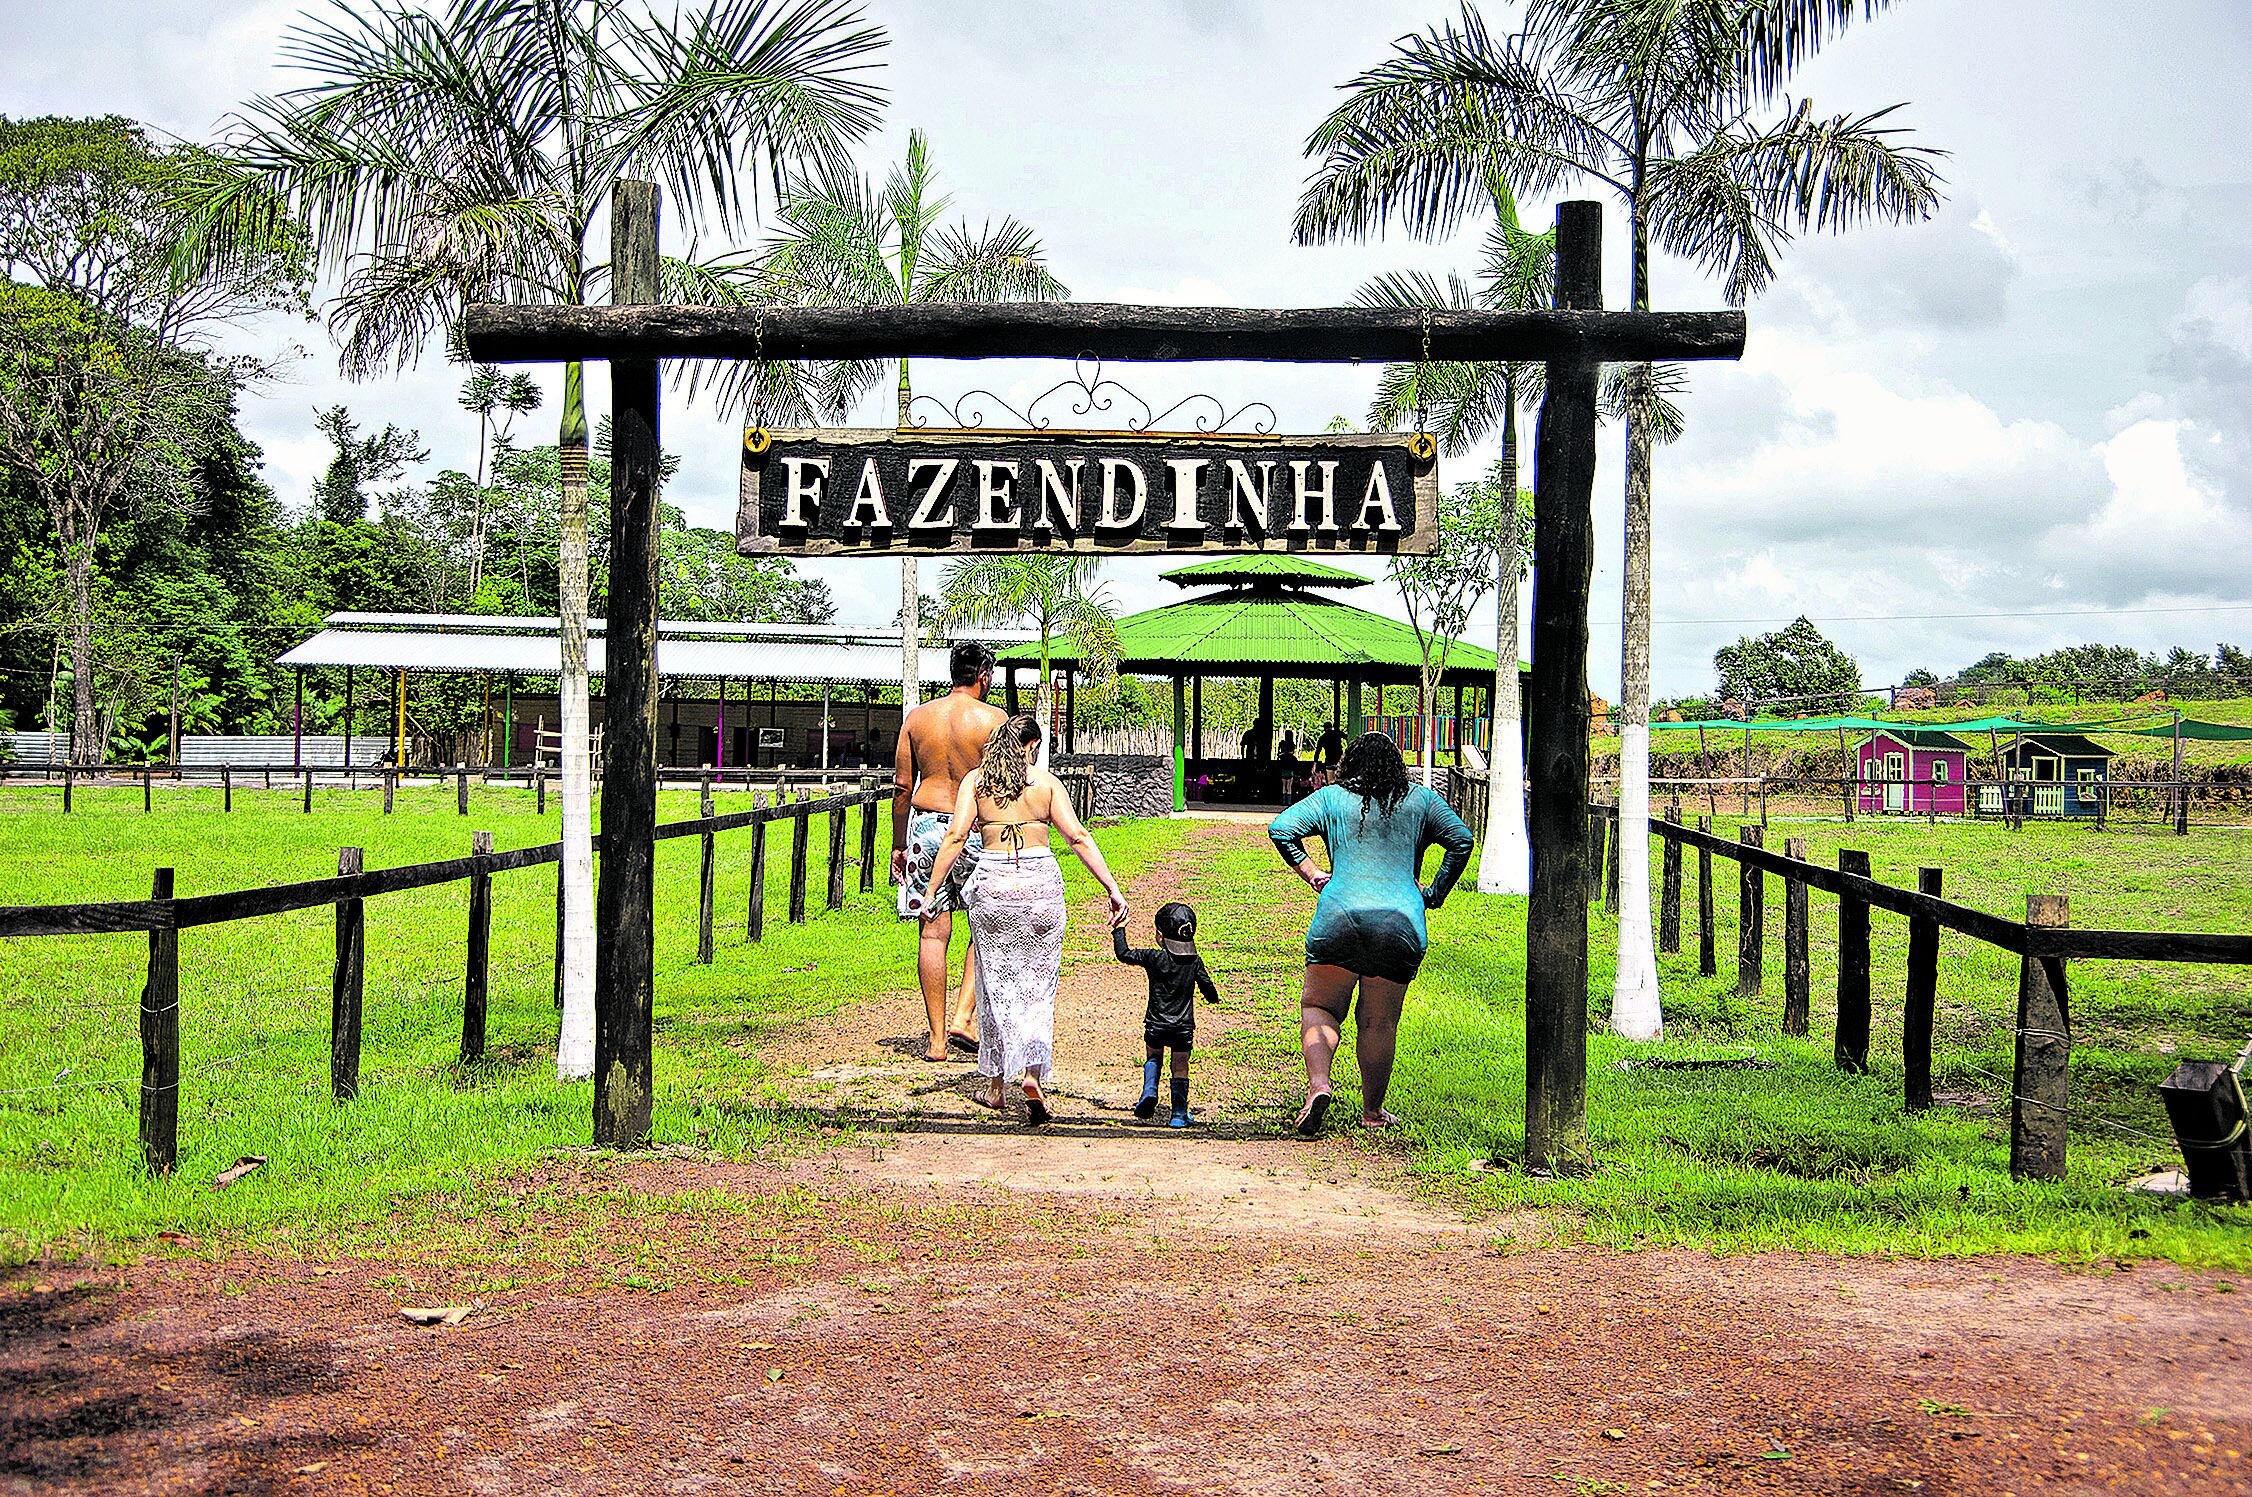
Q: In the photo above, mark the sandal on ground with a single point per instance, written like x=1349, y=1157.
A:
x=934, y=1060
x=961, y=1042
x=1382, y=1119
x=1035, y=1106
x=1310, y=1120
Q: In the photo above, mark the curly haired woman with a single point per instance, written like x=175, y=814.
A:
x=1016, y=907
x=1368, y=929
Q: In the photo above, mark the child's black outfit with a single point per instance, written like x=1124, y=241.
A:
x=1176, y=975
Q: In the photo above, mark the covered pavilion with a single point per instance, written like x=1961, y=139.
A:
x=1270, y=618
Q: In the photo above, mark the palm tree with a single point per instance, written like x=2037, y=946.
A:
x=446, y=158
x=486, y=393
x=1468, y=400
x=1675, y=106
x=844, y=242
x=1056, y=593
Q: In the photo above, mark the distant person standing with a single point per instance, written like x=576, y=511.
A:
x=1329, y=748
x=940, y=742
x=1368, y=929
x=1256, y=739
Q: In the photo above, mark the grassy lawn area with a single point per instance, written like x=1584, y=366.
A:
x=1800, y=1154
x=255, y=1011
x=1794, y=1154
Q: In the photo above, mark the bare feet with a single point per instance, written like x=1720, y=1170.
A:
x=1379, y=1119
x=1035, y=1103
x=989, y=1096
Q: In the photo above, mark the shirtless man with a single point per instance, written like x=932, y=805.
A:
x=939, y=743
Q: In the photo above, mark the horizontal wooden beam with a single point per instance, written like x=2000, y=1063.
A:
x=1106, y=330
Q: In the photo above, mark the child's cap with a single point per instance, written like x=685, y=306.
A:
x=1176, y=928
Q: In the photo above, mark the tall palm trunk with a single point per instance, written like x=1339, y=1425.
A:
x=88, y=744
x=1505, y=865
x=574, y=1051
x=1636, y=1009
x=910, y=598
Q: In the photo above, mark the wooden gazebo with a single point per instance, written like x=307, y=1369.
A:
x=1270, y=618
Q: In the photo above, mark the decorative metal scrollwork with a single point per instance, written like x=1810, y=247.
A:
x=1090, y=393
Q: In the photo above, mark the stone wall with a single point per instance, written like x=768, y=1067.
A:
x=1126, y=785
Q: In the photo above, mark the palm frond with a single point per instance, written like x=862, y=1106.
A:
x=1648, y=395
x=994, y=263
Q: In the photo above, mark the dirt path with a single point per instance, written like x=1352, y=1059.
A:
x=972, y=1307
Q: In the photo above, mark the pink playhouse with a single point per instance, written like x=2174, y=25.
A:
x=1915, y=771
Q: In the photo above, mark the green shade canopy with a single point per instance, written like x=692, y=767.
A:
x=2211, y=732
x=1262, y=631
x=1263, y=567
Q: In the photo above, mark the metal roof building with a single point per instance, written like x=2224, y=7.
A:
x=474, y=644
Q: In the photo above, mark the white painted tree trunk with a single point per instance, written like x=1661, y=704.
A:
x=1427, y=715
x=574, y=1049
x=1636, y=1009
x=1505, y=864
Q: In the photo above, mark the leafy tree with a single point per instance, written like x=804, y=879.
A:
x=1476, y=522
x=443, y=158
x=359, y=463
x=844, y=242
x=1676, y=107
x=107, y=396
x=1920, y=677
x=1796, y=667
x=1054, y=592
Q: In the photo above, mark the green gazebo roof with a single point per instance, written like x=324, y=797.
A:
x=1260, y=631
x=1269, y=567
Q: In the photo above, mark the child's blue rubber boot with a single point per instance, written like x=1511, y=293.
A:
x=1180, y=1118
x=1148, y=1104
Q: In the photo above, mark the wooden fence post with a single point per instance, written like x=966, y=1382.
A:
x=755, y=922
x=461, y=790
x=473, y=982
x=148, y=793
x=1751, y=917
x=390, y=788
x=704, y=873
x=559, y=935
x=837, y=858
x=2038, y=1083
x=160, y=1042
x=1798, y=981
x=67, y=776
x=1852, y=1049
x=1922, y=999
x=308, y=792
x=539, y=787
x=227, y=788
x=344, y=987
x=1596, y=830
x=1669, y=886
x=1708, y=960
x=1615, y=825
x=800, y=829
x=868, y=836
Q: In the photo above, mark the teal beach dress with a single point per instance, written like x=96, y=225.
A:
x=1369, y=919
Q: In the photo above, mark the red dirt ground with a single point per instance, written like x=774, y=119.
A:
x=965, y=1307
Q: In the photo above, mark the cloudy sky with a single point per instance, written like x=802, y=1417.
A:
x=2024, y=424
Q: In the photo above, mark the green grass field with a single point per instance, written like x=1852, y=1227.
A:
x=1795, y=1155
x=255, y=1011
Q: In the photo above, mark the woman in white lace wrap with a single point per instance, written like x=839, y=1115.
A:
x=1016, y=908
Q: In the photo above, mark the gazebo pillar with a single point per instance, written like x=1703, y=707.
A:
x=348, y=678
x=1180, y=730
x=1070, y=710
x=1457, y=725
x=1267, y=715
x=1196, y=719
x=1008, y=694
x=1357, y=724
x=1337, y=703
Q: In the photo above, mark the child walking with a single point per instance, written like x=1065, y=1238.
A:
x=1176, y=975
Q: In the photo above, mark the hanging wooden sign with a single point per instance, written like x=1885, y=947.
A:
x=910, y=493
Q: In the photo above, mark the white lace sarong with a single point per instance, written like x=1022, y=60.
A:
x=1016, y=920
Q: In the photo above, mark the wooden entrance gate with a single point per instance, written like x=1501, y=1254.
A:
x=1573, y=340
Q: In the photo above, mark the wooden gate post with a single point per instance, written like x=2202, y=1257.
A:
x=755, y=921
x=2039, y=1093
x=344, y=987
x=1556, y=715
x=473, y=984
x=1669, y=886
x=704, y=874
x=1852, y=1048
x=461, y=790
x=625, y=897
x=1798, y=982
x=1751, y=917
x=800, y=829
x=836, y=857
x=1708, y=957
x=227, y=788
x=160, y=1040
x=1921, y=1001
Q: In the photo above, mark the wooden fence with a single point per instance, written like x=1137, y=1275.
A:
x=2044, y=942
x=165, y=913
